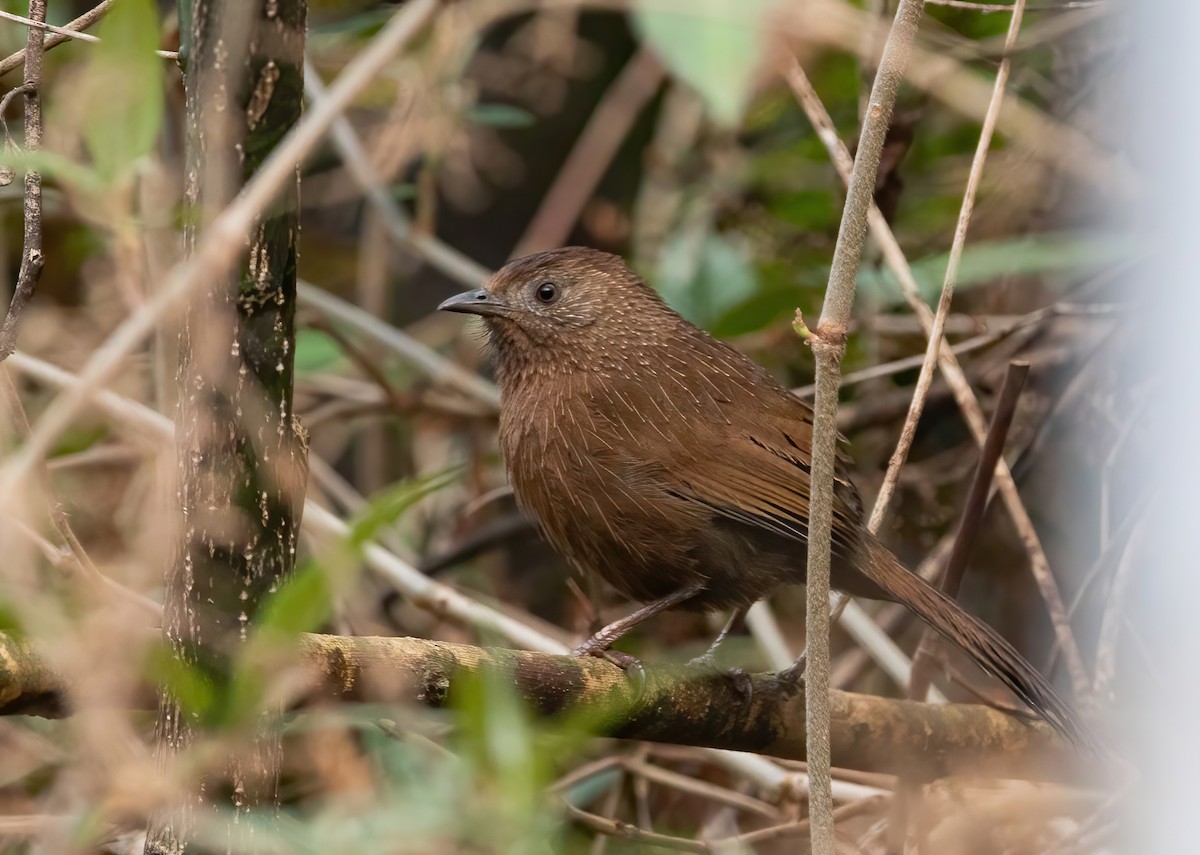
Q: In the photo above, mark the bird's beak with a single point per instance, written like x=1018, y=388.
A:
x=481, y=302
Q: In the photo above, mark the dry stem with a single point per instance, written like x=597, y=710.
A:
x=828, y=345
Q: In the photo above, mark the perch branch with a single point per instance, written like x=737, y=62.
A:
x=869, y=733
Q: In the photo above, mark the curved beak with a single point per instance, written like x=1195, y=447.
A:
x=481, y=302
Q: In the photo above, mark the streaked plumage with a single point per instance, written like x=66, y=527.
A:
x=661, y=458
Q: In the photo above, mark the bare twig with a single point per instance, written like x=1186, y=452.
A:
x=972, y=516
x=81, y=23
x=593, y=152
x=993, y=448
x=73, y=550
x=925, y=378
x=31, y=253
x=1110, y=624
x=435, y=365
x=700, y=788
x=955, y=379
x=828, y=344
x=50, y=28
x=625, y=831
x=442, y=257
x=220, y=246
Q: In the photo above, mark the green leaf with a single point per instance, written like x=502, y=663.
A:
x=809, y=210
x=715, y=46
x=301, y=604
x=195, y=689
x=387, y=505
x=1030, y=255
x=703, y=275
x=316, y=351
x=124, y=102
x=500, y=116
x=56, y=166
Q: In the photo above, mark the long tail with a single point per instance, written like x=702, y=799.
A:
x=986, y=646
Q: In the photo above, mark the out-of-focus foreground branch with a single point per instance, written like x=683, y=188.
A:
x=868, y=733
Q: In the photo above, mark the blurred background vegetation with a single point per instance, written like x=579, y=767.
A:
x=716, y=188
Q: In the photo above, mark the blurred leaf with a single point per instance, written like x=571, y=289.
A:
x=404, y=192
x=316, y=351
x=10, y=621
x=764, y=309
x=500, y=116
x=55, y=166
x=715, y=47
x=1030, y=255
x=195, y=689
x=386, y=506
x=703, y=275
x=588, y=790
x=124, y=80
x=80, y=438
x=811, y=210
x=301, y=604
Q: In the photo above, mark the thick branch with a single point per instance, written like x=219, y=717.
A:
x=868, y=733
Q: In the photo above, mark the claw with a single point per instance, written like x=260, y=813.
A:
x=707, y=663
x=742, y=683
x=792, y=677
x=631, y=665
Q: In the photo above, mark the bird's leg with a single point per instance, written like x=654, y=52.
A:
x=708, y=660
x=599, y=643
x=793, y=675
x=709, y=657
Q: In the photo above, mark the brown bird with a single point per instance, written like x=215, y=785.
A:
x=674, y=466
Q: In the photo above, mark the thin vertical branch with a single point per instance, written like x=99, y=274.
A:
x=955, y=378
x=972, y=516
x=32, y=258
x=925, y=378
x=828, y=344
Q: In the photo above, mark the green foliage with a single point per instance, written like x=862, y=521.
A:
x=984, y=262
x=195, y=690
x=702, y=275
x=316, y=351
x=124, y=103
x=301, y=604
x=715, y=46
x=389, y=504
x=500, y=116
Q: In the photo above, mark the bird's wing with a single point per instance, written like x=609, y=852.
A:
x=759, y=475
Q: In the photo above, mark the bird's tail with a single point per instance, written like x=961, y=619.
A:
x=986, y=646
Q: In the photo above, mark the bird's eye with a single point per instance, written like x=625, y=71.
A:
x=547, y=292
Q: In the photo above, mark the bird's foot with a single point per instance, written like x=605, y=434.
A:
x=792, y=677
x=738, y=677
x=631, y=665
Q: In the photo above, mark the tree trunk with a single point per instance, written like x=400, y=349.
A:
x=240, y=455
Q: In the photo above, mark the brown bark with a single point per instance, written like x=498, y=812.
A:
x=868, y=733
x=240, y=460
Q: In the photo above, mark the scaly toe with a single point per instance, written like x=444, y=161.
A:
x=739, y=677
x=631, y=665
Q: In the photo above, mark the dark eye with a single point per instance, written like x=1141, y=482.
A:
x=547, y=292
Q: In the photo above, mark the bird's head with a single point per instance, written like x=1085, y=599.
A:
x=574, y=307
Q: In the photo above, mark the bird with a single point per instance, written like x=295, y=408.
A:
x=675, y=467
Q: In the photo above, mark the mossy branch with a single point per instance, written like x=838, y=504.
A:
x=868, y=733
